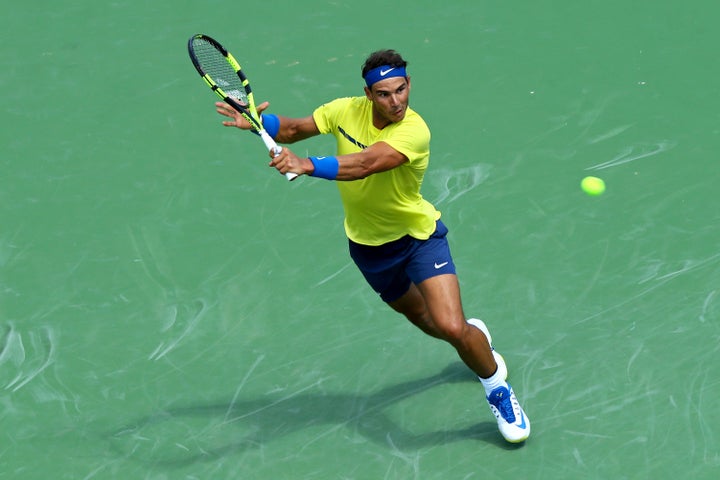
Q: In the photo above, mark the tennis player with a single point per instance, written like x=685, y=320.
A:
x=396, y=237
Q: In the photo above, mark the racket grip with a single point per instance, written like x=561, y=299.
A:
x=276, y=150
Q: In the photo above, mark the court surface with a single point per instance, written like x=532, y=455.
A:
x=170, y=308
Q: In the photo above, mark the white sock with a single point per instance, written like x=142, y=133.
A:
x=493, y=382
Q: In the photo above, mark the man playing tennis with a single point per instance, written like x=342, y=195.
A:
x=395, y=236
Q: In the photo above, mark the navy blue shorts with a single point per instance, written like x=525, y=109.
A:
x=391, y=268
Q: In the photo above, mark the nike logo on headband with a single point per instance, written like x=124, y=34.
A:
x=382, y=72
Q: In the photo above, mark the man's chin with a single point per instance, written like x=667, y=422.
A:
x=397, y=117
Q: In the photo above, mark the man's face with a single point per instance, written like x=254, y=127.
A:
x=390, y=100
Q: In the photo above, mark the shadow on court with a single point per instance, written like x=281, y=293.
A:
x=185, y=435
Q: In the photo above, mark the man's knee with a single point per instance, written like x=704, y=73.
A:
x=454, y=331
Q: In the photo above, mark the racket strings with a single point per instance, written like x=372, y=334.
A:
x=217, y=67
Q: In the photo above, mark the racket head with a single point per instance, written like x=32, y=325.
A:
x=223, y=74
x=225, y=77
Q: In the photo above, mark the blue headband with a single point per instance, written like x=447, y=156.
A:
x=381, y=73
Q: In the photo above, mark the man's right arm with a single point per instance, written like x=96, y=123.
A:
x=286, y=129
x=295, y=129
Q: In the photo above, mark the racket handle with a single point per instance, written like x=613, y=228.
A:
x=276, y=150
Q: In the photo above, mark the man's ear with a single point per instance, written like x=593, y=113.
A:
x=368, y=93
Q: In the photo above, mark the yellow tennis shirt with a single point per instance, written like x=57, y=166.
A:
x=384, y=206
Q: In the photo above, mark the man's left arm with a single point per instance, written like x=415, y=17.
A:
x=376, y=158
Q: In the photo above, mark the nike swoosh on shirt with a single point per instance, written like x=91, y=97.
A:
x=438, y=266
x=385, y=72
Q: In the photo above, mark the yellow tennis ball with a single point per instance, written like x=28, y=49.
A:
x=593, y=186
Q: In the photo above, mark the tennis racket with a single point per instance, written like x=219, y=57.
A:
x=223, y=74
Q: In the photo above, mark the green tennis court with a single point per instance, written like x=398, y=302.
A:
x=171, y=308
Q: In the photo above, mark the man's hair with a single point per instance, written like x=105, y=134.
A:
x=381, y=58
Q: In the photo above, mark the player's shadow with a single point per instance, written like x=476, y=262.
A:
x=185, y=435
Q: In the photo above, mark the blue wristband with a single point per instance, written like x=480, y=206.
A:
x=325, y=167
x=271, y=123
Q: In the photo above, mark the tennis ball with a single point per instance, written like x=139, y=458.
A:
x=593, y=186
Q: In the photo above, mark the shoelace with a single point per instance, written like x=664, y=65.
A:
x=504, y=405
